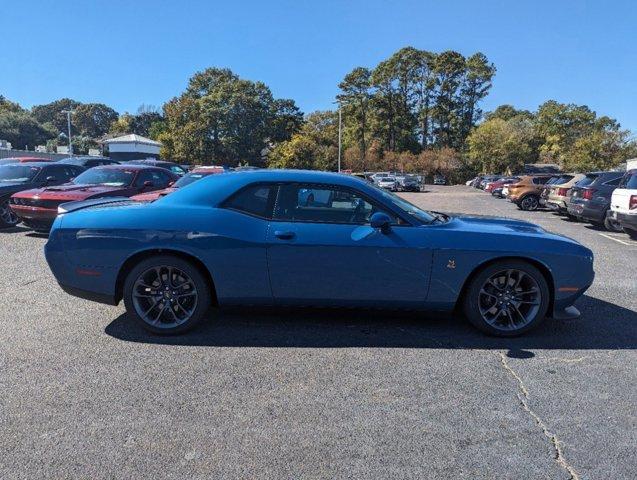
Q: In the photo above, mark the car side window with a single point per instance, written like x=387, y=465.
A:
x=159, y=179
x=323, y=204
x=58, y=172
x=540, y=180
x=252, y=200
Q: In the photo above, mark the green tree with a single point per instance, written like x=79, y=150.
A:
x=93, y=119
x=507, y=112
x=22, y=130
x=51, y=113
x=476, y=85
x=7, y=105
x=497, y=145
x=315, y=146
x=355, y=99
x=286, y=120
x=449, y=69
x=220, y=118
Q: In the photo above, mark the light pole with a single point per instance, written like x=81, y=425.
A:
x=340, y=133
x=68, y=123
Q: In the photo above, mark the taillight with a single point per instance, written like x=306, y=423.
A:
x=633, y=202
x=588, y=194
x=562, y=192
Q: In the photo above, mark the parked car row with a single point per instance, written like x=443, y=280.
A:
x=607, y=199
x=400, y=182
x=32, y=190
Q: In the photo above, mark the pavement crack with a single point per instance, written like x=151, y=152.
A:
x=523, y=397
x=566, y=360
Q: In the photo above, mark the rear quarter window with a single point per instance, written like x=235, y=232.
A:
x=252, y=200
x=629, y=181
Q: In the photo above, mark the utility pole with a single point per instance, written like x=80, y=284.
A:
x=340, y=135
x=68, y=123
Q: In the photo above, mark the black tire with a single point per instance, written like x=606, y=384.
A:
x=529, y=203
x=473, y=296
x=611, y=224
x=632, y=233
x=202, y=294
x=8, y=219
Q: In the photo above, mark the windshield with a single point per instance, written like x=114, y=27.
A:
x=188, y=179
x=17, y=173
x=587, y=180
x=411, y=209
x=105, y=176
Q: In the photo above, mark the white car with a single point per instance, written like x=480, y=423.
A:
x=388, y=183
x=623, y=203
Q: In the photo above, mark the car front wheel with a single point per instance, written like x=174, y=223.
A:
x=8, y=218
x=166, y=295
x=507, y=298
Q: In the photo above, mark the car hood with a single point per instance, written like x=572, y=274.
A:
x=72, y=192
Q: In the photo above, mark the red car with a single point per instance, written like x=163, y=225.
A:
x=196, y=174
x=38, y=208
x=7, y=161
x=491, y=186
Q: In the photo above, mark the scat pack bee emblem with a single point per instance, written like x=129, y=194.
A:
x=451, y=264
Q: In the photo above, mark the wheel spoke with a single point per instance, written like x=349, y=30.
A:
x=163, y=289
x=509, y=299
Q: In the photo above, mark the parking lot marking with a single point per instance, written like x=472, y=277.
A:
x=616, y=239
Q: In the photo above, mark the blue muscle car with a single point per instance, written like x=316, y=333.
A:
x=258, y=238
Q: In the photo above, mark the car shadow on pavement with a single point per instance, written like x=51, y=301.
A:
x=603, y=325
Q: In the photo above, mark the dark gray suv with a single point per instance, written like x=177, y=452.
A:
x=590, y=198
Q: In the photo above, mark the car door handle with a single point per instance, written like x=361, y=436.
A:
x=284, y=235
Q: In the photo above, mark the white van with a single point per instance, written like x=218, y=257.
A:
x=623, y=203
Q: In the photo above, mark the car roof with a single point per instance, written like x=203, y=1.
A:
x=215, y=188
x=29, y=164
x=128, y=166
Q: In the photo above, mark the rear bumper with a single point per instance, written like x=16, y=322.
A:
x=88, y=295
x=557, y=205
x=625, y=220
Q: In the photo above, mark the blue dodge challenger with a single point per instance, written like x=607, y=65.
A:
x=277, y=237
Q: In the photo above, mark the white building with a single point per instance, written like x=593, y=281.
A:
x=132, y=147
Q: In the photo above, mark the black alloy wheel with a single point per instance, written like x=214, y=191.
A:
x=507, y=298
x=166, y=294
x=8, y=218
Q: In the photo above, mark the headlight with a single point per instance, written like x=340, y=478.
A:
x=61, y=210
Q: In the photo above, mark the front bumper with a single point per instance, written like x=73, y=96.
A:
x=26, y=212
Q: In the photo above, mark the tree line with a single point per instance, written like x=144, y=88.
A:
x=415, y=111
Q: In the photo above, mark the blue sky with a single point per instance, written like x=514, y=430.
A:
x=125, y=53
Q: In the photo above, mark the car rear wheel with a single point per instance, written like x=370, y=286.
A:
x=610, y=223
x=166, y=295
x=530, y=202
x=507, y=298
x=8, y=218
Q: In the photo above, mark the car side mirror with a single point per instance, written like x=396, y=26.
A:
x=381, y=221
x=148, y=184
x=51, y=179
x=171, y=183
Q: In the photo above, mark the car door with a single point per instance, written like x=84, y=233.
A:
x=323, y=251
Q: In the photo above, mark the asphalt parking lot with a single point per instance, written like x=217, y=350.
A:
x=319, y=394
